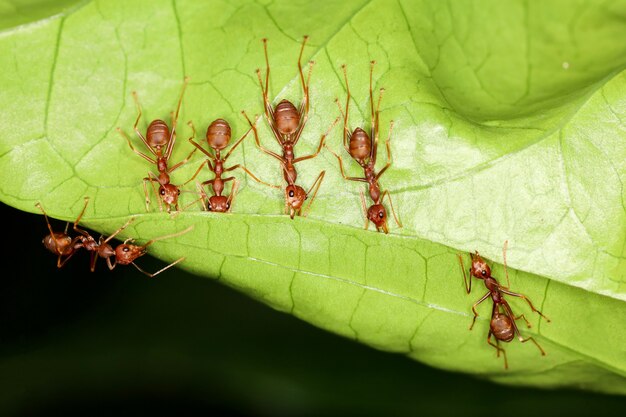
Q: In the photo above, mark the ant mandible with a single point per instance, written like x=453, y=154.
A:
x=363, y=149
x=287, y=123
x=218, y=136
x=502, y=324
x=160, y=142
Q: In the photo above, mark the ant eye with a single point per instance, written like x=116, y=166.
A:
x=227, y=205
x=162, y=191
x=484, y=273
x=209, y=207
x=125, y=249
x=381, y=214
x=291, y=193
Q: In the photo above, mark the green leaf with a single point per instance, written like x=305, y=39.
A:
x=509, y=126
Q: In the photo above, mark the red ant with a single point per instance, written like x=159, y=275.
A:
x=287, y=123
x=123, y=254
x=159, y=137
x=363, y=149
x=502, y=324
x=218, y=136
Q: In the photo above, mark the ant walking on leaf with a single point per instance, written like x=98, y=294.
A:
x=218, y=137
x=363, y=148
x=287, y=122
x=160, y=142
x=502, y=325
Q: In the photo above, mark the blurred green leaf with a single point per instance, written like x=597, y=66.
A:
x=509, y=126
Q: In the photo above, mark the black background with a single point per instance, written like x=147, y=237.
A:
x=75, y=343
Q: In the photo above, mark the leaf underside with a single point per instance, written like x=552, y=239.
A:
x=509, y=125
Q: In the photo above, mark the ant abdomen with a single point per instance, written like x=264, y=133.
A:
x=286, y=117
x=218, y=134
x=58, y=243
x=158, y=134
x=360, y=145
x=502, y=327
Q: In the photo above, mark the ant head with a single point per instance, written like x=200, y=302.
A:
x=127, y=253
x=286, y=117
x=218, y=134
x=360, y=144
x=218, y=203
x=378, y=215
x=294, y=196
x=480, y=269
x=57, y=243
x=158, y=134
x=169, y=194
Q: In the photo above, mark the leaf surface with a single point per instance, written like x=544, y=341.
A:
x=509, y=125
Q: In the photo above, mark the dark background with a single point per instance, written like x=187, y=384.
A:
x=117, y=343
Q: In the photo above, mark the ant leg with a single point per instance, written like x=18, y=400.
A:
x=346, y=132
x=118, y=231
x=92, y=261
x=484, y=297
x=316, y=185
x=40, y=207
x=233, y=194
x=160, y=270
x=232, y=148
x=170, y=145
x=145, y=190
x=197, y=172
x=132, y=148
x=137, y=132
x=521, y=316
x=258, y=142
x=388, y=146
x=343, y=174
x=507, y=307
x=319, y=148
x=181, y=163
x=254, y=177
x=304, y=106
x=523, y=297
x=111, y=264
x=364, y=206
x=498, y=349
x=506, y=271
x=468, y=288
x=391, y=206
x=80, y=216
